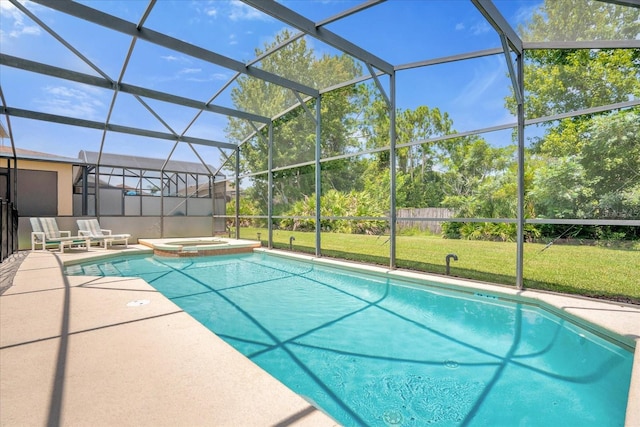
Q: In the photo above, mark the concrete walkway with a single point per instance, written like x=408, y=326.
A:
x=89, y=351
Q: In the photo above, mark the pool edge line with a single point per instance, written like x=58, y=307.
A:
x=473, y=287
x=95, y=256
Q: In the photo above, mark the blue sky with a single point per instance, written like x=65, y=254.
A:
x=398, y=31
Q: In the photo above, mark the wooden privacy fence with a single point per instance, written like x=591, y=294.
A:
x=423, y=218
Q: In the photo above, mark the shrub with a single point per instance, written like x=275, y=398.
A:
x=490, y=231
x=336, y=204
x=451, y=230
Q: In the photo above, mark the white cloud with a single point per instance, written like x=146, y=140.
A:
x=481, y=87
x=210, y=8
x=80, y=101
x=476, y=29
x=210, y=78
x=190, y=71
x=211, y=11
x=242, y=12
x=17, y=26
x=9, y=10
x=479, y=28
x=524, y=13
x=182, y=59
x=31, y=31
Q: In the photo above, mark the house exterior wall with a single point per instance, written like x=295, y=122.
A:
x=64, y=181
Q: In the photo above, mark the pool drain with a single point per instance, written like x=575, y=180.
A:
x=138, y=303
x=392, y=418
x=451, y=364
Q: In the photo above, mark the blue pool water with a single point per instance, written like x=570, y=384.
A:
x=372, y=352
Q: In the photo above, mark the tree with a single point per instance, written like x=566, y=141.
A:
x=476, y=178
x=295, y=132
x=560, y=188
x=611, y=160
x=565, y=80
x=562, y=80
x=601, y=178
x=582, y=166
x=417, y=175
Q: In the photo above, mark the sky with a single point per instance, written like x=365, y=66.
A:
x=398, y=31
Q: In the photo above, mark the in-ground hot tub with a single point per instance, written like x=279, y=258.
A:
x=198, y=246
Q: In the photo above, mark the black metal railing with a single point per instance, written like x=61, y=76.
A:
x=8, y=229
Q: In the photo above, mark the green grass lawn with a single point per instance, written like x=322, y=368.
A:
x=595, y=271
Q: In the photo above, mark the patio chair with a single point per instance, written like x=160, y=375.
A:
x=91, y=228
x=46, y=233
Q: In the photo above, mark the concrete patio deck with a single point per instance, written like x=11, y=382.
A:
x=74, y=351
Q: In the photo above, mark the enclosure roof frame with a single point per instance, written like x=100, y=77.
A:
x=279, y=12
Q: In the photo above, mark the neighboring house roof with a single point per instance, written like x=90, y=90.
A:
x=146, y=163
x=111, y=160
x=6, y=151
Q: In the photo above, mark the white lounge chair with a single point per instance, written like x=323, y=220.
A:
x=91, y=229
x=46, y=233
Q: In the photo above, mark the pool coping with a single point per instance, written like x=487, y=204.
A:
x=31, y=348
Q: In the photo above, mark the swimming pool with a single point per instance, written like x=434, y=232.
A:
x=371, y=351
